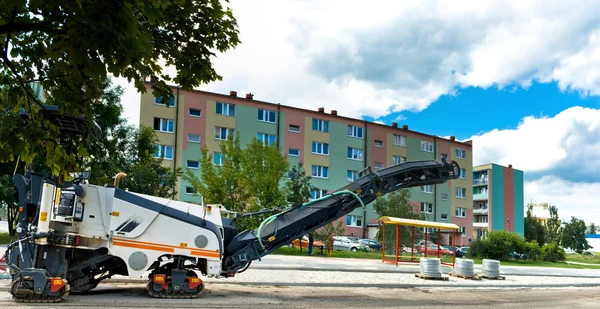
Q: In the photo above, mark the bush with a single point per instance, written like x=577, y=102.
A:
x=501, y=245
x=530, y=250
x=553, y=253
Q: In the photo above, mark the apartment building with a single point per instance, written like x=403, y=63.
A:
x=333, y=149
x=498, y=199
x=539, y=210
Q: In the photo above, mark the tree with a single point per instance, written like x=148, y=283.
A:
x=396, y=205
x=592, y=228
x=265, y=167
x=246, y=180
x=70, y=47
x=534, y=229
x=222, y=183
x=573, y=235
x=553, y=227
x=146, y=174
x=299, y=185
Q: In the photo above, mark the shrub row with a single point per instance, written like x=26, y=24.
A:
x=502, y=245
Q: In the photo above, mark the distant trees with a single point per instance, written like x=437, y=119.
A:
x=553, y=226
x=593, y=228
x=396, y=204
x=534, y=229
x=573, y=235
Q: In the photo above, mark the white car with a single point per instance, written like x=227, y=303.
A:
x=342, y=243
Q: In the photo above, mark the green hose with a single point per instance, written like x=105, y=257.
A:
x=273, y=217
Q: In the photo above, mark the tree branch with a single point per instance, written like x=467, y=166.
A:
x=27, y=89
x=26, y=27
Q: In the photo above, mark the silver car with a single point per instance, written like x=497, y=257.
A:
x=342, y=243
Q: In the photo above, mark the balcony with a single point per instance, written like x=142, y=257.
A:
x=480, y=225
x=480, y=182
x=480, y=211
x=480, y=196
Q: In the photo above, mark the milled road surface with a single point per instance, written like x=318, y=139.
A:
x=236, y=296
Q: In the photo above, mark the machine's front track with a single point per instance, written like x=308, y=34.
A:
x=21, y=291
x=161, y=286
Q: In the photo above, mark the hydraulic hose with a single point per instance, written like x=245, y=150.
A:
x=273, y=217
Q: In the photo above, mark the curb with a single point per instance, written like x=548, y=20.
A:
x=392, y=285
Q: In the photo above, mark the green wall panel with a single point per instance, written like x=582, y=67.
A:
x=497, y=198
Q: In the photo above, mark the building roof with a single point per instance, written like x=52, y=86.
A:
x=465, y=143
x=489, y=166
x=418, y=223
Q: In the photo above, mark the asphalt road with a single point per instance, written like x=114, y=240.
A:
x=234, y=296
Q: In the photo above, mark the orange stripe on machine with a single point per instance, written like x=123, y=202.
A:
x=194, y=251
x=141, y=246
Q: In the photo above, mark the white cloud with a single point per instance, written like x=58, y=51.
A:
x=560, y=158
x=402, y=55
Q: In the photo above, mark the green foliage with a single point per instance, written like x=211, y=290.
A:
x=530, y=250
x=71, y=49
x=534, y=229
x=501, y=245
x=593, y=228
x=299, y=186
x=146, y=174
x=573, y=235
x=553, y=227
x=395, y=204
x=551, y=252
x=248, y=179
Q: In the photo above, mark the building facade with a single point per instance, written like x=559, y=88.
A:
x=539, y=210
x=332, y=148
x=498, y=199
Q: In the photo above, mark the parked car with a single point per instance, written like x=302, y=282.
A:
x=433, y=250
x=304, y=240
x=342, y=243
x=372, y=244
x=588, y=253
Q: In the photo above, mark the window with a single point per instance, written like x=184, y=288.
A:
x=444, y=156
x=320, y=171
x=463, y=173
x=190, y=190
x=461, y=212
x=293, y=152
x=460, y=153
x=399, y=140
x=266, y=115
x=164, y=125
x=193, y=138
x=461, y=192
x=355, y=154
x=444, y=216
x=378, y=165
x=225, y=109
x=223, y=133
x=351, y=176
x=218, y=158
x=427, y=208
x=193, y=164
x=320, y=148
x=163, y=151
x=294, y=128
x=320, y=125
x=427, y=146
x=355, y=131
x=399, y=159
x=445, y=196
x=195, y=112
x=463, y=230
x=160, y=101
x=354, y=220
x=378, y=143
x=316, y=194
x=427, y=189
x=266, y=139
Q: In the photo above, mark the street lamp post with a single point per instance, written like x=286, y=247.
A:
x=509, y=226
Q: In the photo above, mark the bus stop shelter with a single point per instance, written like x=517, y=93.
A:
x=404, y=232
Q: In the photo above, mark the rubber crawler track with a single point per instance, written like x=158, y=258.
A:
x=173, y=294
x=43, y=298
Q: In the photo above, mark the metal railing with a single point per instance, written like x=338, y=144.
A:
x=480, y=181
x=480, y=196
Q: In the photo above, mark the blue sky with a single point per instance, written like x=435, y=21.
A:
x=505, y=74
x=474, y=111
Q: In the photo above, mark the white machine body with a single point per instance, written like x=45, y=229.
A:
x=135, y=227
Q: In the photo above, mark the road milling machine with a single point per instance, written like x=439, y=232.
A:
x=73, y=235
